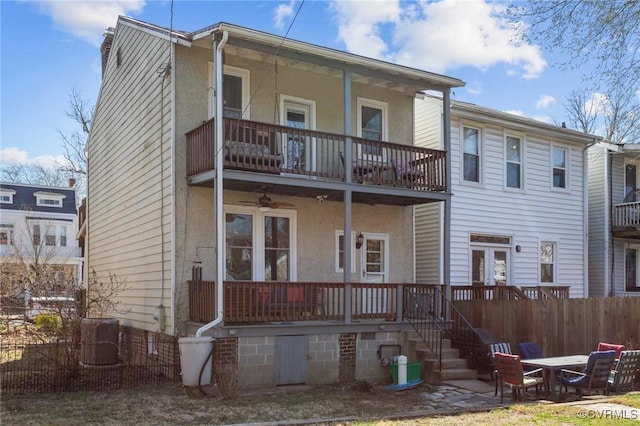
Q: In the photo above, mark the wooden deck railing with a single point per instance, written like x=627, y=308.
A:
x=254, y=302
x=492, y=292
x=626, y=215
x=546, y=292
x=270, y=148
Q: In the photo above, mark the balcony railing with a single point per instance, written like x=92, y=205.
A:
x=255, y=302
x=546, y=292
x=626, y=215
x=270, y=148
x=508, y=292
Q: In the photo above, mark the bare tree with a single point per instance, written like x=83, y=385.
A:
x=603, y=34
x=35, y=174
x=74, y=144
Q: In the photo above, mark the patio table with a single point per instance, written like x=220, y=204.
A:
x=552, y=364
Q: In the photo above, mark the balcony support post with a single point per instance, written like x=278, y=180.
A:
x=348, y=243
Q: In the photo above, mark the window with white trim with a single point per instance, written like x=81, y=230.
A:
x=559, y=167
x=630, y=183
x=49, y=234
x=6, y=195
x=235, y=92
x=547, y=262
x=372, y=125
x=49, y=199
x=513, y=150
x=339, y=259
x=472, y=160
x=6, y=234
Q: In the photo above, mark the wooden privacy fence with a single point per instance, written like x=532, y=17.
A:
x=559, y=326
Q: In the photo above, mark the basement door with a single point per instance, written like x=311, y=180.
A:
x=291, y=360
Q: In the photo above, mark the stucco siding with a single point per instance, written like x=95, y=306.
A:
x=130, y=177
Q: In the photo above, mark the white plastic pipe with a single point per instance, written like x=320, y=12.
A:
x=402, y=370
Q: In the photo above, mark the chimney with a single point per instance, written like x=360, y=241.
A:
x=105, y=49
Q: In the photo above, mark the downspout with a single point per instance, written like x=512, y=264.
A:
x=609, y=247
x=446, y=252
x=218, y=201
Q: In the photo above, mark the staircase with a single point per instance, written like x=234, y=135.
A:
x=453, y=367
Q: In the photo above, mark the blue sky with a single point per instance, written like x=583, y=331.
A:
x=49, y=48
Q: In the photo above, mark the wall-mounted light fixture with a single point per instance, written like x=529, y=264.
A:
x=518, y=249
x=359, y=240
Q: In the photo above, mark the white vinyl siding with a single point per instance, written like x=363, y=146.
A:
x=129, y=187
x=598, y=202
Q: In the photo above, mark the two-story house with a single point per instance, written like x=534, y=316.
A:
x=614, y=220
x=518, y=210
x=259, y=190
x=38, y=226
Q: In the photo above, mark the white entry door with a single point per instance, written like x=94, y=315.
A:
x=489, y=266
x=374, y=266
x=298, y=149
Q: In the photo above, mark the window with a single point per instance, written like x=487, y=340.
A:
x=514, y=162
x=235, y=92
x=471, y=154
x=631, y=270
x=6, y=234
x=259, y=245
x=63, y=236
x=630, y=183
x=559, y=166
x=49, y=199
x=372, y=125
x=50, y=235
x=6, y=196
x=340, y=252
x=547, y=262
x=36, y=235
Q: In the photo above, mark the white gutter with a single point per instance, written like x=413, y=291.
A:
x=218, y=190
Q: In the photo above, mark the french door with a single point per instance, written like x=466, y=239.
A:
x=489, y=266
x=259, y=245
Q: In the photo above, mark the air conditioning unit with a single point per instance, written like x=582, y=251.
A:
x=99, y=341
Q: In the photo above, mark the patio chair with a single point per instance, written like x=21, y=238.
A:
x=626, y=371
x=602, y=346
x=595, y=376
x=502, y=347
x=511, y=374
x=530, y=350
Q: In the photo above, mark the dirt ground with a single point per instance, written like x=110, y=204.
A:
x=173, y=404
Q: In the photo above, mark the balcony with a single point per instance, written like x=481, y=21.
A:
x=265, y=302
x=296, y=153
x=626, y=220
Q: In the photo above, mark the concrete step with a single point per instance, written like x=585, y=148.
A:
x=417, y=342
x=456, y=374
x=423, y=354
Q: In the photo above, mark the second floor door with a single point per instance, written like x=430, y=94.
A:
x=297, y=148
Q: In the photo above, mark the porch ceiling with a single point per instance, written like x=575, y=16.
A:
x=313, y=188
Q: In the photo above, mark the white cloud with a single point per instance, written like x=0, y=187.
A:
x=516, y=112
x=437, y=36
x=87, y=19
x=545, y=101
x=474, y=87
x=283, y=12
x=16, y=156
x=543, y=118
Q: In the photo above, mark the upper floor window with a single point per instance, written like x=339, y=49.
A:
x=514, y=162
x=6, y=234
x=630, y=183
x=471, y=153
x=340, y=252
x=49, y=199
x=372, y=125
x=6, y=196
x=547, y=262
x=50, y=234
x=559, y=166
x=235, y=92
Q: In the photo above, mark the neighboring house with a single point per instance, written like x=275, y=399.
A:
x=614, y=220
x=518, y=209
x=270, y=191
x=38, y=226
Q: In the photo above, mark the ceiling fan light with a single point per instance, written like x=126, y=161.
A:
x=265, y=209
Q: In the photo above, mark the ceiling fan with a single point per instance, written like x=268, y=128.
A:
x=265, y=201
